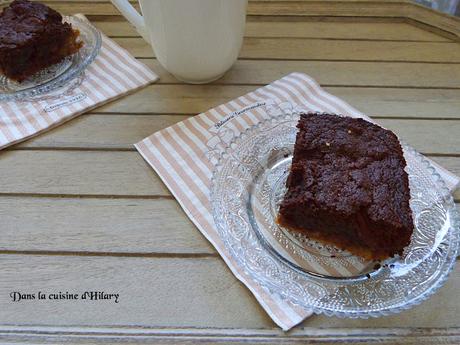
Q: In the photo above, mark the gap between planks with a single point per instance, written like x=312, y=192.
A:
x=86, y=196
x=364, y=86
x=152, y=255
x=185, y=114
x=318, y=60
x=382, y=117
x=320, y=38
x=175, y=255
x=144, y=335
x=132, y=149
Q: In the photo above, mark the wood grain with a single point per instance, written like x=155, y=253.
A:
x=295, y=8
x=121, y=131
x=435, y=19
x=344, y=73
x=161, y=292
x=100, y=225
x=124, y=227
x=109, y=131
x=308, y=28
x=315, y=49
x=389, y=102
x=147, y=335
x=357, y=8
x=78, y=173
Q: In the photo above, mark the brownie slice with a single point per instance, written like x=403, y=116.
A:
x=32, y=37
x=347, y=186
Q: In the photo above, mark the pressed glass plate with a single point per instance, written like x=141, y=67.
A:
x=59, y=75
x=247, y=187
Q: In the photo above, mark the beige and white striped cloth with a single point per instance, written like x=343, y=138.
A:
x=114, y=73
x=181, y=156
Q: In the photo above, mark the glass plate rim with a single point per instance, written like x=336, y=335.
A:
x=404, y=305
x=64, y=78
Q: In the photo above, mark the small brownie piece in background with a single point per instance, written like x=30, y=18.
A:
x=33, y=37
x=347, y=186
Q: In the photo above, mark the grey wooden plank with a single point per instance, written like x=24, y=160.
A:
x=166, y=292
x=102, y=225
x=99, y=226
x=145, y=335
x=313, y=49
x=78, y=173
x=121, y=131
x=345, y=73
x=390, y=102
x=94, y=173
x=289, y=27
x=108, y=131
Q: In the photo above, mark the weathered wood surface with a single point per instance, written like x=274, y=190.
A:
x=283, y=28
x=81, y=210
x=95, y=173
x=315, y=49
x=115, y=131
x=104, y=226
x=167, y=292
x=405, y=9
x=374, y=74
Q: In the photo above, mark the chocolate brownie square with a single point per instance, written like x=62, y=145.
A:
x=347, y=186
x=33, y=37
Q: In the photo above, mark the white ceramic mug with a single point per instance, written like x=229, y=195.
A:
x=195, y=40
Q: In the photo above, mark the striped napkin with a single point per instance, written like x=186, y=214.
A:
x=182, y=155
x=114, y=73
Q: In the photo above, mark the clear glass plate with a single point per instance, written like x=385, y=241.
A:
x=60, y=74
x=248, y=184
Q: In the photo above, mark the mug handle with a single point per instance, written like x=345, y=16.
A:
x=133, y=17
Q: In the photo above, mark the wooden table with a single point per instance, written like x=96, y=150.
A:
x=81, y=210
